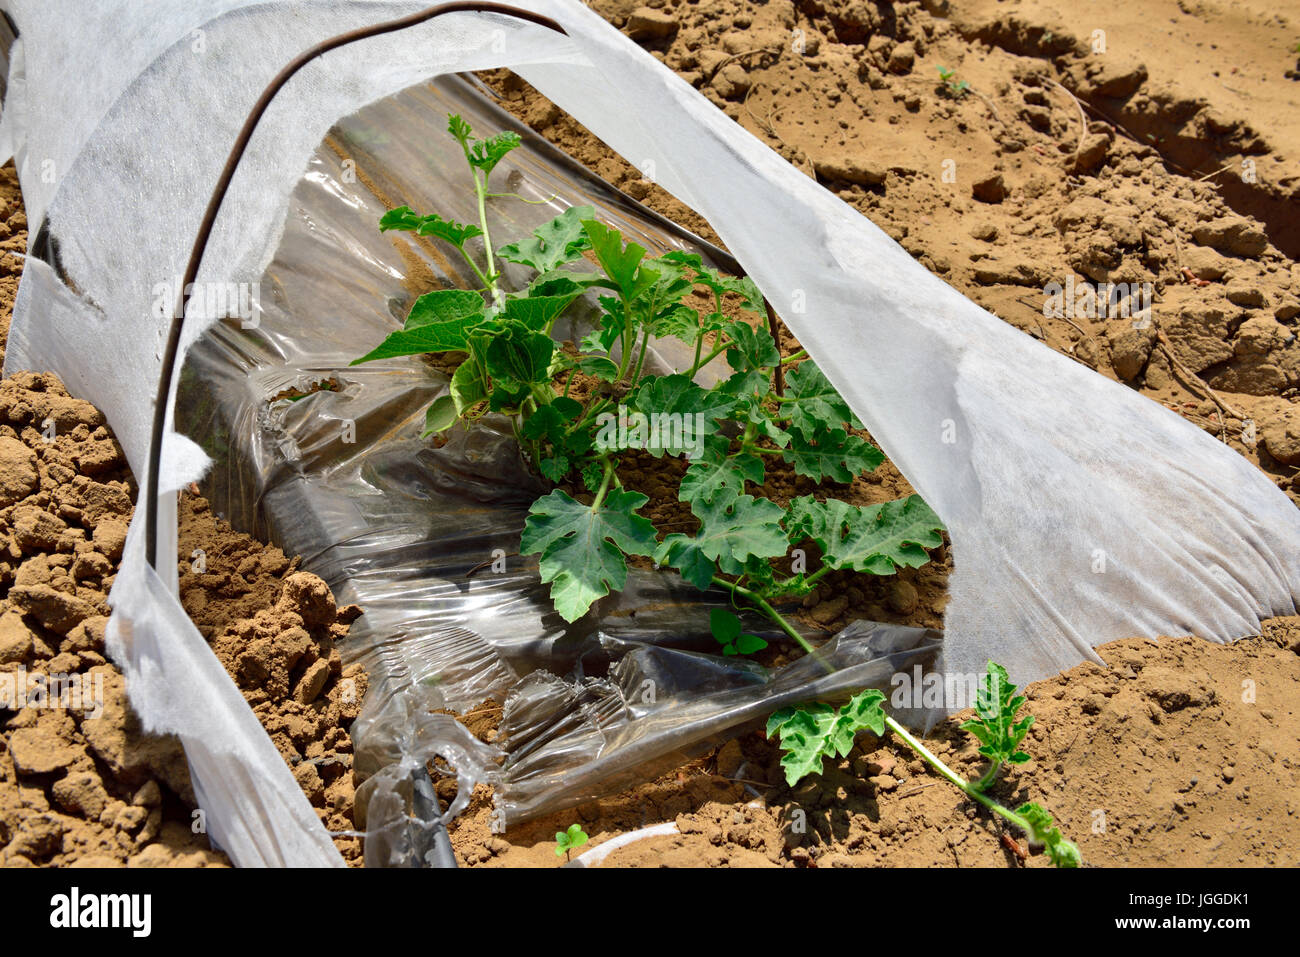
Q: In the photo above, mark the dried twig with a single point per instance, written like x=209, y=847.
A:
x=1083, y=119
x=773, y=51
x=989, y=104
x=1177, y=363
x=917, y=790
x=1221, y=169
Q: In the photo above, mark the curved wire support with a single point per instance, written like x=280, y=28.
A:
x=167, y=375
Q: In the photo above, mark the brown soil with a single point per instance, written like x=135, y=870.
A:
x=274, y=629
x=80, y=783
x=1117, y=173
x=84, y=786
x=1181, y=753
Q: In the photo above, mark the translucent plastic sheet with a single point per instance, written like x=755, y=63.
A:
x=342, y=478
x=1078, y=511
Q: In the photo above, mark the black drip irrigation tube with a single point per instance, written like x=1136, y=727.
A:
x=438, y=852
x=219, y=194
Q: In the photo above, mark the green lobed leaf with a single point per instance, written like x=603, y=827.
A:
x=486, y=154
x=455, y=233
x=995, y=725
x=715, y=473
x=555, y=467
x=444, y=305
x=519, y=358
x=439, y=321
x=430, y=337
x=752, y=347
x=811, y=733
x=832, y=454
x=876, y=538
x=459, y=129
x=731, y=531
x=560, y=241
x=440, y=416
x=553, y=424
x=582, y=547
x=812, y=403
x=676, y=395
x=751, y=297
x=750, y=390
x=620, y=261
x=613, y=319
x=599, y=367
x=660, y=308
x=592, y=473
x=403, y=217
x=804, y=735
x=679, y=321
x=537, y=312
x=681, y=552
x=552, y=421
x=507, y=399
x=467, y=386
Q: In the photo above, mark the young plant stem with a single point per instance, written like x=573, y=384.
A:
x=969, y=789
x=817, y=575
x=628, y=341
x=522, y=199
x=592, y=414
x=483, y=280
x=721, y=348
x=983, y=783
x=645, y=344
x=490, y=280
x=604, y=483
x=762, y=604
x=699, y=337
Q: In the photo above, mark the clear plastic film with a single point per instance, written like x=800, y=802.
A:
x=1038, y=466
x=425, y=539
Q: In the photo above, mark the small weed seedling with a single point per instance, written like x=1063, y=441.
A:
x=953, y=87
x=726, y=629
x=810, y=733
x=510, y=365
x=566, y=841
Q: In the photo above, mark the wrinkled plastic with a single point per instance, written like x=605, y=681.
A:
x=1079, y=511
x=405, y=529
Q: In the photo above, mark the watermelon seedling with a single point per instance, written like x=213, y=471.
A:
x=730, y=433
x=808, y=734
